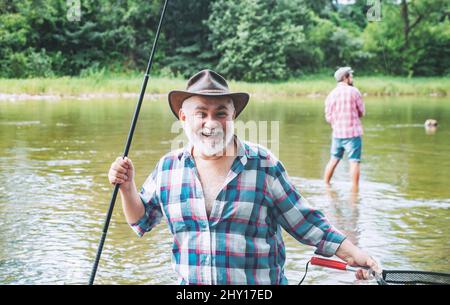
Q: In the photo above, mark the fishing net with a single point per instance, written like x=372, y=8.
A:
x=405, y=277
x=399, y=277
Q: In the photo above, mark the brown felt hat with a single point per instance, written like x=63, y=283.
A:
x=207, y=83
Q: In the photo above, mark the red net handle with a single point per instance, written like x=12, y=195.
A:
x=328, y=263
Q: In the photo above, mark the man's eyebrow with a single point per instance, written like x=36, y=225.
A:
x=206, y=108
x=201, y=108
x=222, y=107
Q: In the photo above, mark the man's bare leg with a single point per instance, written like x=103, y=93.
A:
x=329, y=170
x=355, y=172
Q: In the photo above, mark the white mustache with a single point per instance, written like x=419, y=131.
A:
x=211, y=132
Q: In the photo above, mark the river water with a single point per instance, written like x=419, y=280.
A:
x=54, y=193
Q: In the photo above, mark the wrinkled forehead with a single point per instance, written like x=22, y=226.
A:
x=208, y=103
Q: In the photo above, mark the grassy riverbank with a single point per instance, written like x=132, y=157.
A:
x=311, y=86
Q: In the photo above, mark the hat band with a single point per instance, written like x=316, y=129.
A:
x=211, y=91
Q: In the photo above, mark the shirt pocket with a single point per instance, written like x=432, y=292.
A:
x=185, y=215
x=174, y=215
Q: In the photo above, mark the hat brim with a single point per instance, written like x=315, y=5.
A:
x=177, y=97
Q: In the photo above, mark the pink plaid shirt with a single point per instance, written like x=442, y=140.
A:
x=343, y=108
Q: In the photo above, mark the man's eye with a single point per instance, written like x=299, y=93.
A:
x=200, y=114
x=222, y=114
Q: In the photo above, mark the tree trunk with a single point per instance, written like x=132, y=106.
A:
x=405, y=18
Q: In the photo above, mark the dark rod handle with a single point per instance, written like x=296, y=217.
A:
x=105, y=231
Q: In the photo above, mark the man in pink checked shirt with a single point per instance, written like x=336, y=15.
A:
x=343, y=109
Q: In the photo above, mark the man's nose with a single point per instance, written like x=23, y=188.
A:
x=210, y=122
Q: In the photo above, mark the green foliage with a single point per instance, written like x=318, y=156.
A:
x=435, y=56
x=39, y=64
x=256, y=38
x=16, y=65
x=252, y=40
x=424, y=50
x=338, y=46
x=354, y=15
x=188, y=48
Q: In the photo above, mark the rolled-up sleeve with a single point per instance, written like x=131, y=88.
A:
x=149, y=197
x=309, y=226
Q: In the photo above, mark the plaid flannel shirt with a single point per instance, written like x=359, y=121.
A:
x=240, y=242
x=343, y=108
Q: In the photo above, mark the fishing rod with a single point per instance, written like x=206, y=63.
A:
x=127, y=146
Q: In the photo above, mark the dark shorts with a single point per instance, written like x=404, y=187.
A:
x=353, y=146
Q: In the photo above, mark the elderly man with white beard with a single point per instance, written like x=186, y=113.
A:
x=225, y=200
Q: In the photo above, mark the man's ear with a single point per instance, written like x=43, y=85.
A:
x=181, y=115
x=234, y=107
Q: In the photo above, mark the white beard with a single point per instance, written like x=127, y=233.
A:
x=212, y=145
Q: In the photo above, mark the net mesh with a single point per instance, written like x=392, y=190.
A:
x=415, y=277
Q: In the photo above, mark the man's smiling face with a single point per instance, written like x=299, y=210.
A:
x=208, y=123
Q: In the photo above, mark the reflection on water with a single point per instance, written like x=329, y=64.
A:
x=54, y=191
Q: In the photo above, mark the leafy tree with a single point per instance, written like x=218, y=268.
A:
x=188, y=48
x=434, y=58
x=337, y=46
x=256, y=38
x=322, y=8
x=355, y=14
x=408, y=37
x=253, y=40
